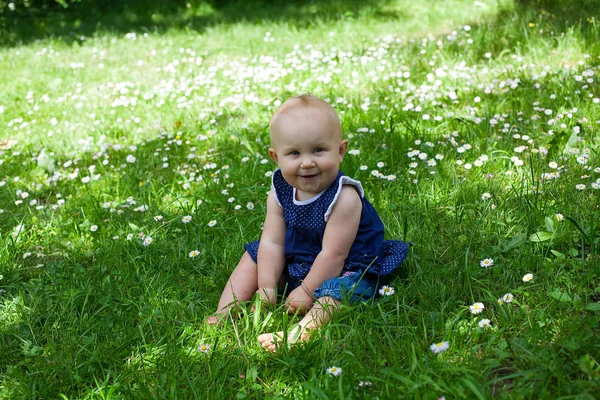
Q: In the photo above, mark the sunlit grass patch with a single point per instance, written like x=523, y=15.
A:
x=134, y=166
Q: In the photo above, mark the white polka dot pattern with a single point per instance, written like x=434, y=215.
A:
x=306, y=224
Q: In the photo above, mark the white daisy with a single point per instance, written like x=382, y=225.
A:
x=476, y=308
x=334, y=371
x=508, y=298
x=484, y=323
x=387, y=290
x=204, y=348
x=439, y=347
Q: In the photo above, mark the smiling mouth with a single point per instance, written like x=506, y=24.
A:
x=308, y=176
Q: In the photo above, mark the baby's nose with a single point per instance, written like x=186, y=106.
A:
x=307, y=162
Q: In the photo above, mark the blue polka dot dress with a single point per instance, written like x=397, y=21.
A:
x=306, y=221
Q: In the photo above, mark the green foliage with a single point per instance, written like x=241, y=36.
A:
x=467, y=126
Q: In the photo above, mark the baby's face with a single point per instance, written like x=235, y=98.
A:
x=308, y=147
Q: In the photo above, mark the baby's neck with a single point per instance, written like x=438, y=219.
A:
x=303, y=196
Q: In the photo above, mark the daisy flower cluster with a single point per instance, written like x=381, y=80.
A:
x=168, y=145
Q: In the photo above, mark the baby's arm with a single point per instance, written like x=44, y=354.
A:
x=271, y=259
x=340, y=233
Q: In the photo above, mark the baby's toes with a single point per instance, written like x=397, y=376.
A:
x=268, y=341
x=214, y=319
x=265, y=339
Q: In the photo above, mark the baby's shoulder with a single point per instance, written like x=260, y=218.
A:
x=348, y=199
x=349, y=189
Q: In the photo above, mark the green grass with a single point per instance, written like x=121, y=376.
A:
x=188, y=92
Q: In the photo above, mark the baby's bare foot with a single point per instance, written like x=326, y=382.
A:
x=272, y=341
x=213, y=319
x=216, y=318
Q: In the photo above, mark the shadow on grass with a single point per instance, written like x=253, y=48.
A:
x=86, y=18
x=95, y=314
x=530, y=23
x=81, y=19
x=562, y=14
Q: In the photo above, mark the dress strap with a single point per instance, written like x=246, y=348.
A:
x=280, y=188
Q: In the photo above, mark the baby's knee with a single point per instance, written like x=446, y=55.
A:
x=247, y=265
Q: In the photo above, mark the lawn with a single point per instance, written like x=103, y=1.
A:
x=134, y=166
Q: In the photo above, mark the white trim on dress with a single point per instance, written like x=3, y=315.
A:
x=308, y=201
x=273, y=188
x=344, y=180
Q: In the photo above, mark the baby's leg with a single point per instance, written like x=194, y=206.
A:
x=317, y=317
x=240, y=287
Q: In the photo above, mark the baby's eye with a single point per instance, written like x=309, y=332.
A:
x=318, y=150
x=294, y=153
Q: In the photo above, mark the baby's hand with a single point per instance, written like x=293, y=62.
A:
x=267, y=295
x=299, y=301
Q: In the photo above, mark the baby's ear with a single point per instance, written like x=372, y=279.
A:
x=273, y=155
x=343, y=148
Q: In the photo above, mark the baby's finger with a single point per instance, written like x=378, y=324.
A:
x=291, y=307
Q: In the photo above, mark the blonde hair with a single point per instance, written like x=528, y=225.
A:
x=304, y=101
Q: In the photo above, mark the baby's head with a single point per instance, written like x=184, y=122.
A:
x=307, y=144
x=305, y=105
